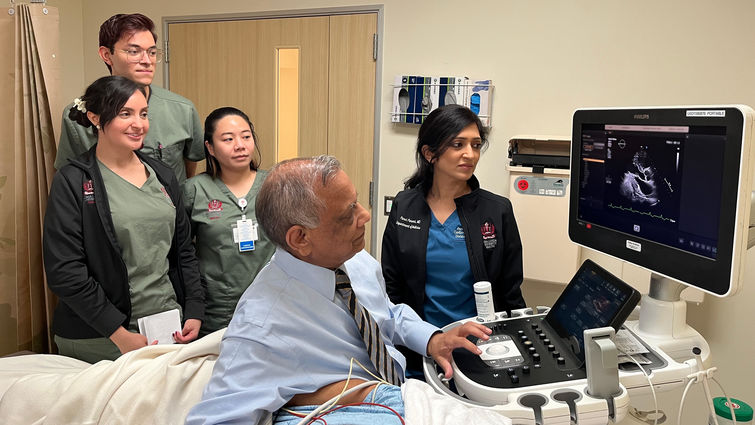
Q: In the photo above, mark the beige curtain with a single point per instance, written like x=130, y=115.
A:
x=30, y=87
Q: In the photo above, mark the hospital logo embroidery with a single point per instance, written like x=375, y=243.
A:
x=214, y=209
x=489, y=240
x=88, y=192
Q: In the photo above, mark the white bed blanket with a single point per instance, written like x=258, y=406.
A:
x=157, y=385
x=424, y=406
x=153, y=385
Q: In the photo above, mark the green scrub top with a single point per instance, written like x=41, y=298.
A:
x=175, y=132
x=227, y=272
x=144, y=220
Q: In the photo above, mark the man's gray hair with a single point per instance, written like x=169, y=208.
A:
x=287, y=197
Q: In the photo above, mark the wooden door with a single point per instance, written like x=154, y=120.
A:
x=351, y=118
x=234, y=63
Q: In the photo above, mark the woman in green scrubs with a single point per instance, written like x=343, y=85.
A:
x=220, y=203
x=116, y=247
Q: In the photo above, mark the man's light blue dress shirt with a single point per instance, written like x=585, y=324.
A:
x=292, y=334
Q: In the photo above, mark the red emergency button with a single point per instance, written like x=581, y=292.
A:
x=523, y=184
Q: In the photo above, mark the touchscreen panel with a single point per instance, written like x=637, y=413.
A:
x=593, y=299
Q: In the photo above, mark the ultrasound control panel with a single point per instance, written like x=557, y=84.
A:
x=521, y=352
x=534, y=349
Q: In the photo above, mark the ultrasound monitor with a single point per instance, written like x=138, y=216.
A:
x=667, y=189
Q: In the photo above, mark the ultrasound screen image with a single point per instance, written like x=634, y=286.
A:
x=642, y=176
x=654, y=183
x=638, y=184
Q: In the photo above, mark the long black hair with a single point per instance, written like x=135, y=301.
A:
x=104, y=97
x=437, y=133
x=210, y=124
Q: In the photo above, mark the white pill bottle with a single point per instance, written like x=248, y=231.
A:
x=483, y=297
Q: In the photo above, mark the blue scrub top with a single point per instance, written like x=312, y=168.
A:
x=449, y=285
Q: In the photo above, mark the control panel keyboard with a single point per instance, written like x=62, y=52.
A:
x=520, y=352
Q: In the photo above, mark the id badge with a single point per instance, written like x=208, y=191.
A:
x=246, y=230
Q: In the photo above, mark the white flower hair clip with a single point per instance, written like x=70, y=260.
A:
x=80, y=105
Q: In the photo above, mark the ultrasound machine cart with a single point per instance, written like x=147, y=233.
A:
x=669, y=189
x=560, y=395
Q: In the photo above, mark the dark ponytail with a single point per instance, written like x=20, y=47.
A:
x=437, y=133
x=104, y=97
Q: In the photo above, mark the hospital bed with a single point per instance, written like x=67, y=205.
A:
x=158, y=385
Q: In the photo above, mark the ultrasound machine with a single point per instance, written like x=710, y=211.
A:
x=669, y=189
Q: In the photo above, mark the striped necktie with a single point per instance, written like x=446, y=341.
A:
x=369, y=330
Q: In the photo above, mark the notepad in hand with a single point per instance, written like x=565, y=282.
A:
x=160, y=327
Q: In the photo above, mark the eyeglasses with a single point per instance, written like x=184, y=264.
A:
x=135, y=55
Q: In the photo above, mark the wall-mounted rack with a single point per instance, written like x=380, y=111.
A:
x=415, y=96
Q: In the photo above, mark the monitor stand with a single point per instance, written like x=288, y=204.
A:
x=663, y=321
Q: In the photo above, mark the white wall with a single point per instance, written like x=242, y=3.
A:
x=72, y=53
x=545, y=58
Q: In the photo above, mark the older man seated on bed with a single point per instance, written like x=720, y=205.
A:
x=299, y=333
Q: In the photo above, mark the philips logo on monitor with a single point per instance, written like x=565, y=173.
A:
x=635, y=246
x=641, y=116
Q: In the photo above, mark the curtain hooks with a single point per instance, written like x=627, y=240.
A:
x=44, y=3
x=12, y=11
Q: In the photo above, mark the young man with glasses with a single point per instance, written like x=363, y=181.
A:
x=128, y=46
